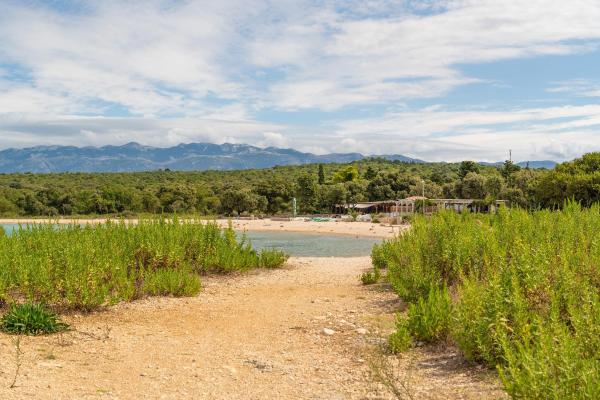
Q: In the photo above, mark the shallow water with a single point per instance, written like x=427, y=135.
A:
x=300, y=244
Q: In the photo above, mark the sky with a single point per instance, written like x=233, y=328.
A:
x=443, y=80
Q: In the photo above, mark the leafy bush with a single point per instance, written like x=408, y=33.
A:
x=525, y=287
x=400, y=340
x=379, y=256
x=371, y=277
x=272, y=258
x=429, y=318
x=31, y=319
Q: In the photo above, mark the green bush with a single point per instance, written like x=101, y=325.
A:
x=370, y=277
x=31, y=319
x=525, y=287
x=400, y=340
x=272, y=258
x=429, y=318
x=174, y=282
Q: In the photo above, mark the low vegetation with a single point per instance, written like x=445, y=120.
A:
x=517, y=291
x=84, y=267
x=31, y=319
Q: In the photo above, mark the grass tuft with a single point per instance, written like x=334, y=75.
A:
x=31, y=319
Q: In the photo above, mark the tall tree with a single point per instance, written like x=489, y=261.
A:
x=321, y=174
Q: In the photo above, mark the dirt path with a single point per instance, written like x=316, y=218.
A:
x=258, y=336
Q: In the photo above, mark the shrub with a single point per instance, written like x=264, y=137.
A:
x=31, y=319
x=174, y=282
x=370, y=277
x=429, y=318
x=272, y=258
x=400, y=340
x=83, y=267
x=525, y=287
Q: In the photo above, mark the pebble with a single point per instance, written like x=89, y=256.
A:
x=361, y=331
x=328, y=331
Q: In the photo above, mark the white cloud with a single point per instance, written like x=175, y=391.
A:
x=273, y=139
x=576, y=87
x=202, y=71
x=437, y=134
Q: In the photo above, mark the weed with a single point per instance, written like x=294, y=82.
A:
x=84, y=267
x=18, y=360
x=525, y=293
x=429, y=318
x=400, y=340
x=370, y=277
x=31, y=319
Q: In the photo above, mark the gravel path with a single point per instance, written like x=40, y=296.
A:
x=307, y=331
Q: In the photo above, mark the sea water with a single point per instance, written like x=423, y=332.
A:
x=298, y=244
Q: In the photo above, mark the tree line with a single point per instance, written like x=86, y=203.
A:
x=317, y=188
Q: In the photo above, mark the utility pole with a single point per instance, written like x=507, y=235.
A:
x=423, y=187
x=294, y=206
x=510, y=155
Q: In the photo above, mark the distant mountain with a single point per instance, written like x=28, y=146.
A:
x=184, y=157
x=547, y=164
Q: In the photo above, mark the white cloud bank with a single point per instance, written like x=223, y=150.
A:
x=160, y=72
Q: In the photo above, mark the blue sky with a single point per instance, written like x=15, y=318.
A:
x=439, y=80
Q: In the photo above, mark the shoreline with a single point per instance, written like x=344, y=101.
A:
x=342, y=228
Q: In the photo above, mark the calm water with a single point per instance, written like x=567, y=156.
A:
x=301, y=244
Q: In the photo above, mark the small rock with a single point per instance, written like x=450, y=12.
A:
x=361, y=331
x=328, y=332
x=231, y=369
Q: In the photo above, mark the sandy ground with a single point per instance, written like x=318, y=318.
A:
x=255, y=336
x=338, y=228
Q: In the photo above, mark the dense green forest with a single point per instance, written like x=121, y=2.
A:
x=317, y=187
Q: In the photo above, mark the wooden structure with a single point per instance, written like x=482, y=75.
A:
x=419, y=204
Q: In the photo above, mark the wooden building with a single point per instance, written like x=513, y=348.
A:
x=419, y=204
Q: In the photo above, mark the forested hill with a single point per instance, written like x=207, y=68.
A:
x=317, y=187
x=183, y=157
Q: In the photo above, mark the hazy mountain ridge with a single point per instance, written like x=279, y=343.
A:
x=133, y=156
x=183, y=157
x=547, y=164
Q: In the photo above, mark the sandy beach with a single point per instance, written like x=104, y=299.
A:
x=366, y=229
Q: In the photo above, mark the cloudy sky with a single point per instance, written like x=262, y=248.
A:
x=438, y=80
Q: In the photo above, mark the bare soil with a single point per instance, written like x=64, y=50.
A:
x=254, y=336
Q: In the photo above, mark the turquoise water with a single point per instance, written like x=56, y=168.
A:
x=301, y=244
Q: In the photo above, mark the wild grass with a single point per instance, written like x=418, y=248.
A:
x=31, y=319
x=525, y=294
x=84, y=267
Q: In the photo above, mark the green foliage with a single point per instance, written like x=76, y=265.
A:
x=370, y=277
x=348, y=174
x=272, y=258
x=31, y=319
x=429, y=318
x=271, y=190
x=525, y=287
x=401, y=340
x=83, y=267
x=467, y=167
x=321, y=174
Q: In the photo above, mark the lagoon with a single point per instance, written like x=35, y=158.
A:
x=296, y=243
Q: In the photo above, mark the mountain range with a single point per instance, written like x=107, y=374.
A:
x=183, y=157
